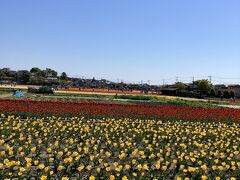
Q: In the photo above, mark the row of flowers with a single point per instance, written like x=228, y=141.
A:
x=108, y=148
x=118, y=110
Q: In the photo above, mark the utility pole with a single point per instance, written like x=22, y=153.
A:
x=176, y=79
x=163, y=82
x=193, y=79
x=210, y=79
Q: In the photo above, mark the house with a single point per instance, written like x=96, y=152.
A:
x=236, y=89
x=191, y=87
x=51, y=78
x=220, y=87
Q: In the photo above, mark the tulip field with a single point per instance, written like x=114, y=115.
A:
x=69, y=140
x=45, y=108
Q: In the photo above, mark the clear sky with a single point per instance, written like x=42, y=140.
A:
x=130, y=40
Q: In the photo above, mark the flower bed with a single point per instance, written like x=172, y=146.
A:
x=80, y=148
x=118, y=110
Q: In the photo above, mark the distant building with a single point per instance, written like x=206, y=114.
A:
x=6, y=69
x=170, y=91
x=220, y=88
x=236, y=89
x=52, y=78
x=191, y=87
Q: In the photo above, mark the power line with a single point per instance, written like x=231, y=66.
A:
x=172, y=80
x=225, y=77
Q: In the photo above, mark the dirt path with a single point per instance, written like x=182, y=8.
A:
x=230, y=106
x=5, y=95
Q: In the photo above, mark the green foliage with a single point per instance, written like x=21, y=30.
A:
x=41, y=90
x=181, y=86
x=232, y=94
x=191, y=94
x=5, y=92
x=32, y=90
x=226, y=94
x=219, y=94
x=35, y=70
x=51, y=72
x=204, y=86
x=45, y=90
x=23, y=77
x=64, y=76
x=213, y=93
x=134, y=97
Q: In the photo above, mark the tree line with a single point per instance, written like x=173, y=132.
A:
x=49, y=77
x=202, y=88
x=35, y=76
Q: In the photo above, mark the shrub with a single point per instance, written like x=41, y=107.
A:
x=41, y=90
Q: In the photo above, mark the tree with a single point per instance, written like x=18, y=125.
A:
x=226, y=94
x=35, y=70
x=7, y=74
x=2, y=74
x=181, y=86
x=44, y=73
x=212, y=93
x=64, y=76
x=93, y=79
x=23, y=76
x=232, y=94
x=204, y=86
x=51, y=72
x=219, y=94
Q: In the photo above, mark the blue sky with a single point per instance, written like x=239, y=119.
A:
x=130, y=40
